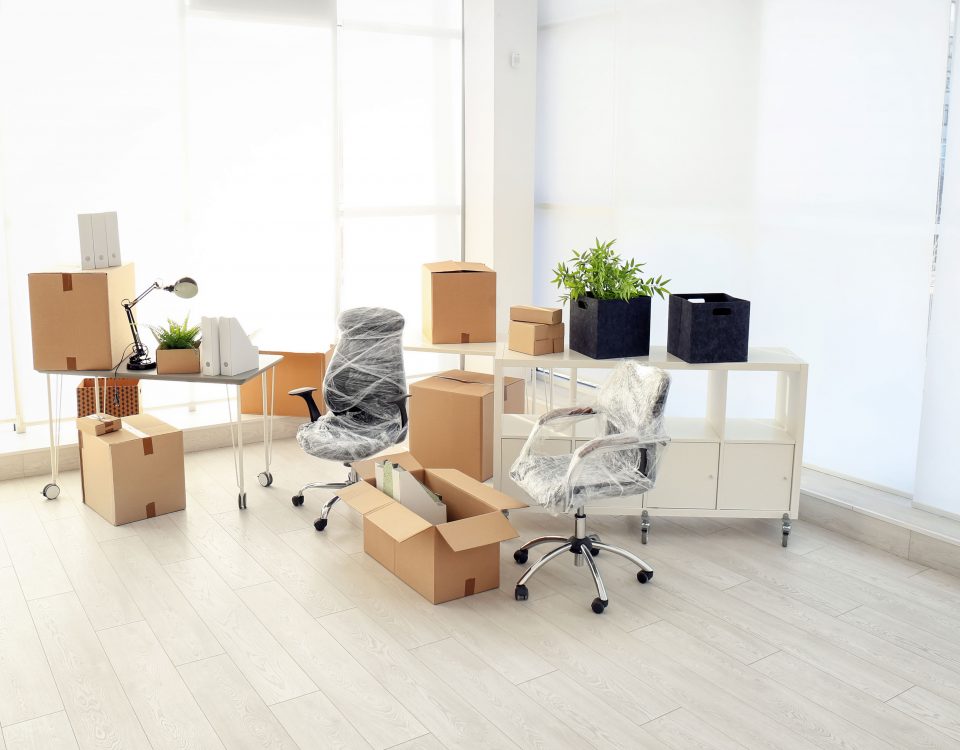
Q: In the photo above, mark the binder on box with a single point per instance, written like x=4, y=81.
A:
x=112, y=237
x=99, y=240
x=85, y=224
x=210, y=346
x=237, y=354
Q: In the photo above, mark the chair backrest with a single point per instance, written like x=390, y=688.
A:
x=634, y=398
x=366, y=372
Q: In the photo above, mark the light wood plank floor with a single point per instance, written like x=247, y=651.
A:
x=215, y=627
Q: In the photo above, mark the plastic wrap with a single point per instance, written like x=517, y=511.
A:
x=363, y=388
x=623, y=458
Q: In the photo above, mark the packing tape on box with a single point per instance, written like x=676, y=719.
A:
x=66, y=279
x=147, y=440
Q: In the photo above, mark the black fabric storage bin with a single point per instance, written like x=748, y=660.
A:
x=715, y=330
x=608, y=328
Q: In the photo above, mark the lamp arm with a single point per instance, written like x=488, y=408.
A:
x=154, y=285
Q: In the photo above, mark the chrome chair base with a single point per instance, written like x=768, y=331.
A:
x=584, y=548
x=321, y=523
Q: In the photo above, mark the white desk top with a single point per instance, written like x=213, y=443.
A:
x=761, y=359
x=267, y=361
x=484, y=349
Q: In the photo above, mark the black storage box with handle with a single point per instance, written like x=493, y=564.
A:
x=714, y=328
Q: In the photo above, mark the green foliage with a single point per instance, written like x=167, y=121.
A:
x=176, y=335
x=599, y=272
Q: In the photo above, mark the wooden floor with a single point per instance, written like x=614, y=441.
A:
x=217, y=628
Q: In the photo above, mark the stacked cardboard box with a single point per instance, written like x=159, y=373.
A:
x=536, y=330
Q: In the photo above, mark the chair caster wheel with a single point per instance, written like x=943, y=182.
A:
x=594, y=551
x=297, y=500
x=521, y=556
x=265, y=478
x=598, y=605
x=785, y=538
x=242, y=501
x=320, y=524
x=520, y=593
x=643, y=576
x=52, y=492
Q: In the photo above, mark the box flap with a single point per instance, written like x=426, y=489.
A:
x=457, y=266
x=364, y=498
x=396, y=521
x=479, y=531
x=483, y=492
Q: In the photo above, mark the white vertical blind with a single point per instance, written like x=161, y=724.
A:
x=778, y=150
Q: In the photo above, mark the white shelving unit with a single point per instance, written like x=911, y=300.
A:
x=715, y=466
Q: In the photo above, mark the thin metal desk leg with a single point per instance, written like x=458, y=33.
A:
x=242, y=496
x=52, y=490
x=265, y=477
x=96, y=395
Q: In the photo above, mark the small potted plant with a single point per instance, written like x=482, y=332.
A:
x=177, y=347
x=609, y=302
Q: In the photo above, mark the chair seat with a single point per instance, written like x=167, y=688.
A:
x=349, y=437
x=544, y=479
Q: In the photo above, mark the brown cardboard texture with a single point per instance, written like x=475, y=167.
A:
x=297, y=370
x=177, y=361
x=367, y=472
x=444, y=561
x=101, y=425
x=532, y=314
x=535, y=338
x=459, y=303
x=77, y=320
x=134, y=473
x=451, y=420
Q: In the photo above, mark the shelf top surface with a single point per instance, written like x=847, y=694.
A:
x=759, y=358
x=482, y=349
x=266, y=362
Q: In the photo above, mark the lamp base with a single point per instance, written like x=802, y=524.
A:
x=140, y=363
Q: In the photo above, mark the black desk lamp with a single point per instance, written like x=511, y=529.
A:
x=140, y=359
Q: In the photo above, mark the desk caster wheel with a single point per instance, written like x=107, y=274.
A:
x=265, y=478
x=242, y=501
x=520, y=593
x=297, y=500
x=598, y=605
x=320, y=524
x=786, y=537
x=643, y=576
x=521, y=556
x=52, y=492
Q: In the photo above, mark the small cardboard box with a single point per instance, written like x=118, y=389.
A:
x=451, y=420
x=297, y=370
x=121, y=396
x=134, y=473
x=366, y=469
x=532, y=314
x=77, y=319
x=94, y=425
x=459, y=303
x=178, y=361
x=535, y=338
x=444, y=561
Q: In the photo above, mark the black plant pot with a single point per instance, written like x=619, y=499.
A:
x=608, y=328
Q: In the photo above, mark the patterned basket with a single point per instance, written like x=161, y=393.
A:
x=126, y=392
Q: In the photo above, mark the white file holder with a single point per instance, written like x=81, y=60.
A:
x=210, y=346
x=237, y=354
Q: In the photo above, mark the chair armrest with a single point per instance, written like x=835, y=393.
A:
x=574, y=412
x=306, y=393
x=611, y=444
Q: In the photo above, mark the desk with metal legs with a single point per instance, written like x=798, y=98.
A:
x=267, y=363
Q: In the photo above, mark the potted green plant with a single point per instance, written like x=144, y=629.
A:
x=609, y=302
x=178, y=347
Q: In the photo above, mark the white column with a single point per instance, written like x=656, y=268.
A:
x=500, y=93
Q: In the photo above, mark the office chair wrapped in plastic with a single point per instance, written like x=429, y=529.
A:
x=621, y=461
x=365, y=391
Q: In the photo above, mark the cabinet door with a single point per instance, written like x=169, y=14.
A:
x=687, y=477
x=755, y=476
x=509, y=450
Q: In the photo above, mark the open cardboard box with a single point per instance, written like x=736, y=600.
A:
x=367, y=468
x=444, y=561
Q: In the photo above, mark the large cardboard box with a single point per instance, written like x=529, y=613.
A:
x=298, y=369
x=535, y=338
x=367, y=471
x=77, y=319
x=451, y=420
x=135, y=472
x=459, y=303
x=444, y=561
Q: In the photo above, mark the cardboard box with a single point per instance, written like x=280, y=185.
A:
x=121, y=396
x=531, y=314
x=297, y=370
x=178, y=361
x=535, y=338
x=366, y=469
x=444, y=561
x=459, y=303
x=77, y=319
x=451, y=420
x=134, y=473
x=94, y=425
